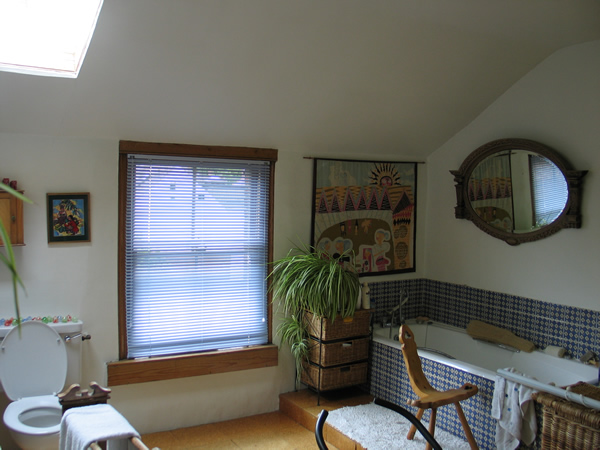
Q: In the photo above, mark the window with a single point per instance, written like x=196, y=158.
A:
x=549, y=190
x=42, y=37
x=195, y=242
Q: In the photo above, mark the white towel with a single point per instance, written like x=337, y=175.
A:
x=512, y=406
x=82, y=426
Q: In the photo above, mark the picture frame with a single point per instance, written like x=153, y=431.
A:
x=365, y=212
x=68, y=217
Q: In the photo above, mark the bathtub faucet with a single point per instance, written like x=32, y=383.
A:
x=394, y=317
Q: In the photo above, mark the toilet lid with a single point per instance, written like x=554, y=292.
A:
x=34, y=362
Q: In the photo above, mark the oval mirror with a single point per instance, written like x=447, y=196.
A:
x=518, y=190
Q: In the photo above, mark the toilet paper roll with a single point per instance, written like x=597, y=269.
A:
x=554, y=350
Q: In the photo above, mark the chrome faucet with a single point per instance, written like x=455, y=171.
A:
x=395, y=314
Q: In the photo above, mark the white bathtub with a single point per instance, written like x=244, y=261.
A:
x=483, y=359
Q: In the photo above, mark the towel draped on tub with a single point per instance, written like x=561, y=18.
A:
x=80, y=427
x=513, y=407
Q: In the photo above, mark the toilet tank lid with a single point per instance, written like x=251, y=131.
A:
x=33, y=361
x=61, y=327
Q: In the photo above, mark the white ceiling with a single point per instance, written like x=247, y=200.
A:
x=347, y=76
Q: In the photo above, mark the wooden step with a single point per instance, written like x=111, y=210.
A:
x=304, y=406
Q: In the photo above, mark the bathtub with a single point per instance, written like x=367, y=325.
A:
x=453, y=347
x=450, y=358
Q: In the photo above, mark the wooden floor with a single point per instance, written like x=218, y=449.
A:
x=292, y=427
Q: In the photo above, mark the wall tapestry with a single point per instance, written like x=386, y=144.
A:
x=368, y=210
x=490, y=192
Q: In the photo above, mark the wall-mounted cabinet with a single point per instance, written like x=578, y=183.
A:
x=11, y=214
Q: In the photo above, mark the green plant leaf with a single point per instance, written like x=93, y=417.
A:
x=17, y=194
x=293, y=332
x=9, y=261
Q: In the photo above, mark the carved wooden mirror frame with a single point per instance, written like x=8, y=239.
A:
x=570, y=216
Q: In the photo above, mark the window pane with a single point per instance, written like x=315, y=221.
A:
x=549, y=188
x=197, y=248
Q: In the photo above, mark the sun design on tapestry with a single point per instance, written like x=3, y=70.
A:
x=365, y=211
x=384, y=174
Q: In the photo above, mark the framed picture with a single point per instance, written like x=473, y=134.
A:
x=68, y=217
x=366, y=211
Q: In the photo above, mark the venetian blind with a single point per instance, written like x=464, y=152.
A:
x=549, y=187
x=196, y=254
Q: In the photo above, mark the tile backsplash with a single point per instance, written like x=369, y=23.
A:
x=543, y=323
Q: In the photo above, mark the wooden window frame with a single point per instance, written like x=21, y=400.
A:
x=130, y=371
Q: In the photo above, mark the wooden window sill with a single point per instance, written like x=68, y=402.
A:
x=181, y=366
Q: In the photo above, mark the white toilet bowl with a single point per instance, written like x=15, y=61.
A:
x=34, y=422
x=33, y=368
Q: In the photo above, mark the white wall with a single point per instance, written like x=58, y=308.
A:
x=557, y=103
x=81, y=279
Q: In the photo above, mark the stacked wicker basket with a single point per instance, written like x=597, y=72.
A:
x=339, y=351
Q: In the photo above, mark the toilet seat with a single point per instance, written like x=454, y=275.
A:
x=33, y=361
x=12, y=414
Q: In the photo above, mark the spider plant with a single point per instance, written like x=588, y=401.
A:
x=293, y=332
x=8, y=257
x=310, y=279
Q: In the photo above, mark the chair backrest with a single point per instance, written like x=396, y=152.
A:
x=417, y=378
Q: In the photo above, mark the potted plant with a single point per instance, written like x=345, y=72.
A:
x=310, y=280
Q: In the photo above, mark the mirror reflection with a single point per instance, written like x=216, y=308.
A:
x=517, y=191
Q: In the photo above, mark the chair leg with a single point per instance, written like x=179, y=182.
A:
x=466, y=427
x=411, y=433
x=431, y=426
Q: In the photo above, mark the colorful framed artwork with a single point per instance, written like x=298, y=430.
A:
x=366, y=211
x=68, y=217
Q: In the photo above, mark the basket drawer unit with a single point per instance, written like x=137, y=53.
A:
x=325, y=379
x=335, y=353
x=339, y=328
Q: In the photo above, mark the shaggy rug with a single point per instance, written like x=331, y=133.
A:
x=378, y=428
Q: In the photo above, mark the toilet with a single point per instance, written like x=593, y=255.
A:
x=33, y=369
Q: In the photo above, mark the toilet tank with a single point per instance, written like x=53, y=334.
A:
x=73, y=347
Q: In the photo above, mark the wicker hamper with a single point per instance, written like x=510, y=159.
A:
x=569, y=425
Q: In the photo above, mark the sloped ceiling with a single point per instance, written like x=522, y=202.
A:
x=345, y=76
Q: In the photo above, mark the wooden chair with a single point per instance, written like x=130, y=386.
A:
x=430, y=398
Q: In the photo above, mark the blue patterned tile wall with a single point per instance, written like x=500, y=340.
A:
x=389, y=381
x=543, y=323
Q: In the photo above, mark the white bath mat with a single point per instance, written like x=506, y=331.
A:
x=378, y=428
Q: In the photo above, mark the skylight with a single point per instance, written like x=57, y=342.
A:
x=46, y=37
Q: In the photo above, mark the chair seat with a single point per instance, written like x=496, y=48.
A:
x=435, y=399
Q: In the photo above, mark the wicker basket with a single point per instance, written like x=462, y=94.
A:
x=339, y=352
x=334, y=377
x=568, y=425
x=340, y=328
